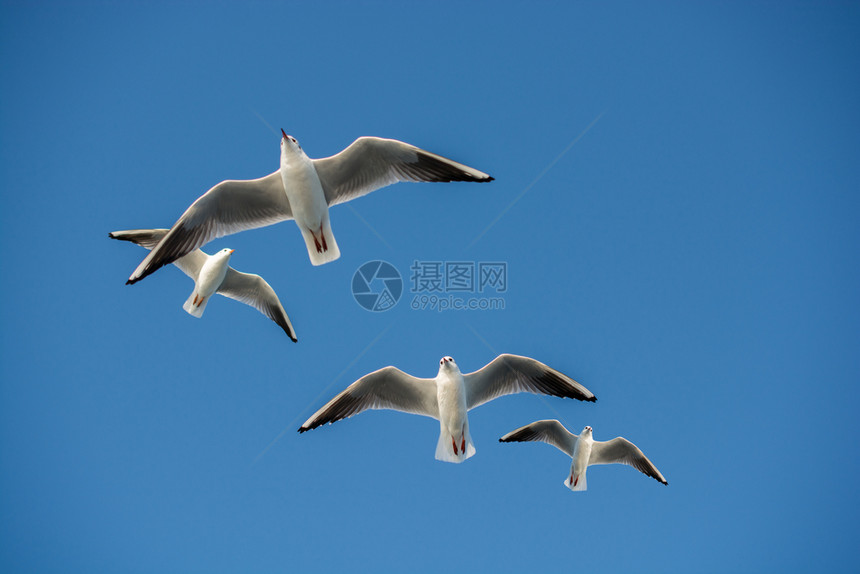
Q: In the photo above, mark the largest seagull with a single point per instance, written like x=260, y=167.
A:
x=449, y=397
x=302, y=189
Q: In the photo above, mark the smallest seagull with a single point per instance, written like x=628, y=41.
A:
x=212, y=274
x=584, y=450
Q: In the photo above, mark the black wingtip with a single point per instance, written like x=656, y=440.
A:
x=111, y=235
x=592, y=400
x=303, y=429
x=489, y=179
x=293, y=339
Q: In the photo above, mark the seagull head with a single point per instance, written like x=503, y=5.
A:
x=289, y=143
x=447, y=363
x=225, y=253
x=586, y=431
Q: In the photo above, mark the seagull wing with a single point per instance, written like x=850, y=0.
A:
x=147, y=238
x=387, y=388
x=254, y=291
x=622, y=451
x=229, y=207
x=189, y=263
x=371, y=163
x=549, y=431
x=509, y=374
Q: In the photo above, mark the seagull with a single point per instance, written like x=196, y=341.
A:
x=584, y=450
x=302, y=189
x=212, y=274
x=449, y=396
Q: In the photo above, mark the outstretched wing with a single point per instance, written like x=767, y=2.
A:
x=190, y=263
x=548, y=431
x=387, y=388
x=254, y=291
x=147, y=238
x=371, y=163
x=229, y=207
x=509, y=374
x=622, y=451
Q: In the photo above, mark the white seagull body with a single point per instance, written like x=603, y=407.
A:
x=212, y=274
x=584, y=450
x=449, y=397
x=302, y=189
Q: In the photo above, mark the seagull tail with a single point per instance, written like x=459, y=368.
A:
x=445, y=448
x=195, y=305
x=581, y=483
x=321, y=244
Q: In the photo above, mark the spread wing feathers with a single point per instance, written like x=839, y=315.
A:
x=622, y=451
x=371, y=163
x=387, y=388
x=254, y=291
x=190, y=263
x=509, y=374
x=147, y=238
x=229, y=207
x=548, y=431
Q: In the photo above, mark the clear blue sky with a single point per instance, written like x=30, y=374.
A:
x=692, y=259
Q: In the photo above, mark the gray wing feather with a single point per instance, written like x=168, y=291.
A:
x=147, y=238
x=253, y=290
x=622, y=451
x=371, y=163
x=387, y=388
x=548, y=431
x=189, y=263
x=229, y=207
x=509, y=374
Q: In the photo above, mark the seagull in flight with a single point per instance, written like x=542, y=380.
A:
x=212, y=274
x=449, y=396
x=584, y=450
x=302, y=189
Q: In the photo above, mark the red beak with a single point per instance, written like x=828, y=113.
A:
x=284, y=134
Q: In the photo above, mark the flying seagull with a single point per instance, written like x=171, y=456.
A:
x=584, y=450
x=212, y=274
x=449, y=396
x=302, y=189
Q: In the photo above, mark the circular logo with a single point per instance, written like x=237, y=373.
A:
x=377, y=286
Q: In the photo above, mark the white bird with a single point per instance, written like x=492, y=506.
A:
x=449, y=396
x=212, y=274
x=584, y=450
x=302, y=189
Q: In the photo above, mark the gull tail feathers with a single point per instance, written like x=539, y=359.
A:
x=195, y=305
x=321, y=244
x=445, y=448
x=576, y=484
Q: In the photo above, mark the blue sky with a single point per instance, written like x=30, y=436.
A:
x=683, y=240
